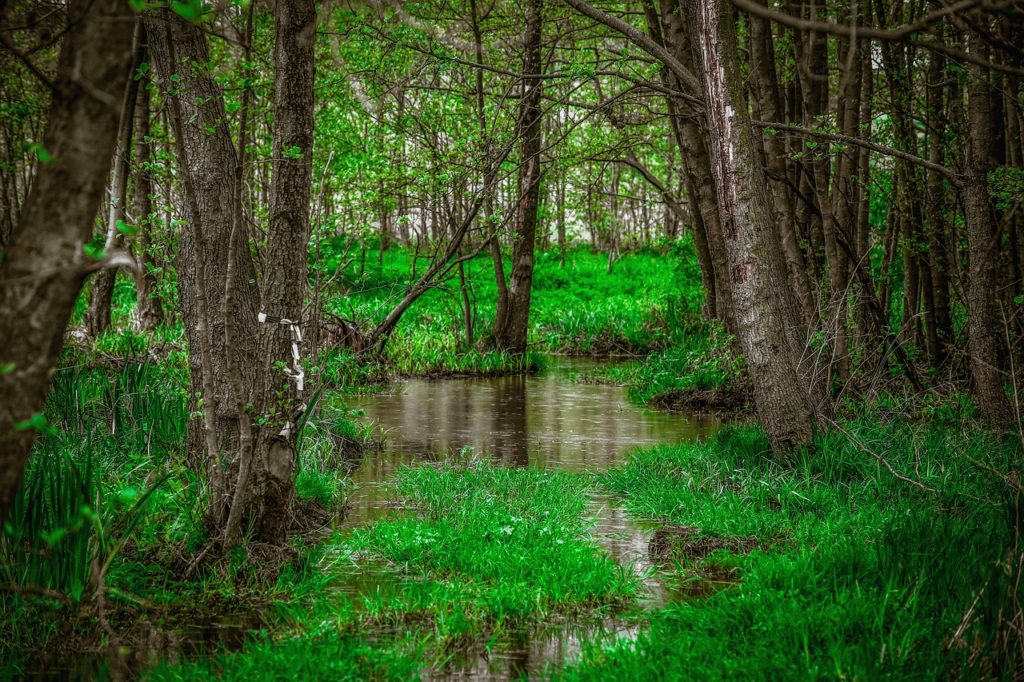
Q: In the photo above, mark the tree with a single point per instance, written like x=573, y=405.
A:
x=766, y=317
x=242, y=331
x=44, y=266
x=97, y=318
x=511, y=335
x=985, y=325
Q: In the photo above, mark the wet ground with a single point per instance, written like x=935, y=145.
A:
x=545, y=421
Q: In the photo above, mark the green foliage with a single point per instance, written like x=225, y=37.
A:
x=858, y=575
x=512, y=539
x=50, y=525
x=700, y=361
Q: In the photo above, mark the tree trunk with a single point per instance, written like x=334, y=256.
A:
x=278, y=398
x=512, y=335
x=766, y=316
x=147, y=302
x=766, y=88
x=43, y=268
x=940, y=323
x=97, y=317
x=984, y=323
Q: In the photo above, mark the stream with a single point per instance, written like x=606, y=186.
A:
x=549, y=421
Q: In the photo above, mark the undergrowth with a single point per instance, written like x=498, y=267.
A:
x=857, y=574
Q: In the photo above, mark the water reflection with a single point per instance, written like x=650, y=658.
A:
x=543, y=421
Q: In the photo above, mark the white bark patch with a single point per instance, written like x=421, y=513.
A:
x=720, y=114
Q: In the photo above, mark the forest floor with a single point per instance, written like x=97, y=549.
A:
x=889, y=550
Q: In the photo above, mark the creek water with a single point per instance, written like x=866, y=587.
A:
x=548, y=420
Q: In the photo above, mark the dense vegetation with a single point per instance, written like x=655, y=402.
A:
x=228, y=228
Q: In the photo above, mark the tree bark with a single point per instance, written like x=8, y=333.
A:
x=696, y=163
x=984, y=323
x=97, y=317
x=278, y=398
x=766, y=316
x=512, y=335
x=768, y=97
x=149, y=312
x=43, y=268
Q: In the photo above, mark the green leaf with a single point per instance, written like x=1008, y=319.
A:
x=191, y=10
x=36, y=422
x=41, y=153
x=126, y=229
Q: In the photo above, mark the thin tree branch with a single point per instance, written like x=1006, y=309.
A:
x=949, y=173
x=641, y=40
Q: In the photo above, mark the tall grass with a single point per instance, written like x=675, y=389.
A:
x=47, y=537
x=92, y=472
x=859, y=574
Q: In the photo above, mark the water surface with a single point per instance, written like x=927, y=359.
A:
x=546, y=421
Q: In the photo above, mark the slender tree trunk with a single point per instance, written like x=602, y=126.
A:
x=97, y=317
x=766, y=316
x=512, y=335
x=984, y=322
x=941, y=325
x=147, y=302
x=492, y=234
x=43, y=267
x=560, y=208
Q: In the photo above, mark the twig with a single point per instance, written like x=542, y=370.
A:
x=36, y=591
x=882, y=460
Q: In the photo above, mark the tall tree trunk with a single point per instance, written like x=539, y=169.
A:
x=147, y=303
x=97, y=317
x=769, y=103
x=940, y=324
x=696, y=161
x=512, y=335
x=766, y=316
x=215, y=288
x=984, y=322
x=266, y=493
x=490, y=228
x=43, y=268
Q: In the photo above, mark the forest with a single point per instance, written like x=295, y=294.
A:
x=479, y=339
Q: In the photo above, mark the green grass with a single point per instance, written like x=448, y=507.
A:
x=515, y=537
x=479, y=551
x=328, y=657
x=580, y=309
x=858, y=574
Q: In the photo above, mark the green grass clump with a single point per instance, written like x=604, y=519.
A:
x=858, y=574
x=701, y=360
x=328, y=657
x=491, y=546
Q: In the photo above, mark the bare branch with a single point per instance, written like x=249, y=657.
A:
x=949, y=173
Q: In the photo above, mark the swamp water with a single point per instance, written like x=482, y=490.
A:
x=543, y=421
